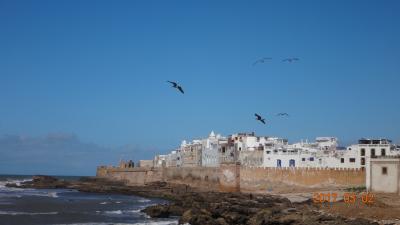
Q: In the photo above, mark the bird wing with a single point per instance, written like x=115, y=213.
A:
x=173, y=83
x=262, y=121
x=181, y=90
x=258, y=116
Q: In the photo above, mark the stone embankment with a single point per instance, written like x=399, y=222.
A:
x=205, y=208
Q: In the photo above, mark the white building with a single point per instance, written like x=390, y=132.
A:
x=171, y=159
x=253, y=151
x=211, y=148
x=325, y=153
x=189, y=154
x=160, y=161
x=383, y=175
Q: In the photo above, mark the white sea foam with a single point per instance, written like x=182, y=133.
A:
x=13, y=181
x=103, y=203
x=53, y=194
x=3, y=183
x=140, y=223
x=134, y=211
x=13, y=213
x=118, y=212
x=144, y=200
x=171, y=222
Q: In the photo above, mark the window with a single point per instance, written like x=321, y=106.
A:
x=268, y=152
x=240, y=148
x=352, y=160
x=342, y=160
x=384, y=171
x=362, y=161
x=383, y=152
x=292, y=163
x=223, y=149
x=372, y=152
x=363, y=152
x=278, y=163
x=303, y=159
x=311, y=158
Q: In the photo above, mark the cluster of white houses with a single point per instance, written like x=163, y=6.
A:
x=255, y=151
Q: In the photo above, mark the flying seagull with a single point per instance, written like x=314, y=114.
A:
x=262, y=60
x=175, y=85
x=290, y=60
x=282, y=114
x=262, y=120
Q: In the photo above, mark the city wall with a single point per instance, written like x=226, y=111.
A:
x=255, y=179
x=233, y=177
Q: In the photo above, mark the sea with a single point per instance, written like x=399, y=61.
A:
x=65, y=206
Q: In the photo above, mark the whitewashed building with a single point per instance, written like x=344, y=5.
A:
x=324, y=152
x=253, y=151
x=160, y=161
x=211, y=149
x=383, y=174
x=171, y=159
x=189, y=154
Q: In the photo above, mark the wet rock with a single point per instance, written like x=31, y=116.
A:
x=43, y=179
x=289, y=210
x=157, y=211
x=361, y=221
x=261, y=217
x=202, y=217
x=204, y=208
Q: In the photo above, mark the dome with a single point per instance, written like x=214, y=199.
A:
x=212, y=134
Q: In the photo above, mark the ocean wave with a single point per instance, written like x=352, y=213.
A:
x=13, y=181
x=13, y=213
x=3, y=183
x=158, y=223
x=144, y=200
x=10, y=192
x=140, y=223
x=118, y=212
x=52, y=194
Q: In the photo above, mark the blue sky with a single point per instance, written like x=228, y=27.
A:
x=97, y=70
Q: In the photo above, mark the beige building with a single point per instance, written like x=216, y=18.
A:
x=146, y=163
x=383, y=175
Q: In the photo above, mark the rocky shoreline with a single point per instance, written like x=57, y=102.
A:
x=197, y=207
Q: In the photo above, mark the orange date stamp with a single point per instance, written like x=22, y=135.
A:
x=367, y=198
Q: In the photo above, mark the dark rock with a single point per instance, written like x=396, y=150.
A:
x=201, y=217
x=261, y=217
x=157, y=211
x=361, y=221
x=203, y=208
x=44, y=179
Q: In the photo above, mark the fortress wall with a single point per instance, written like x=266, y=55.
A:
x=232, y=177
x=264, y=178
x=132, y=176
x=200, y=177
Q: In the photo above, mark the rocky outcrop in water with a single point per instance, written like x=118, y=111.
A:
x=205, y=208
x=242, y=209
